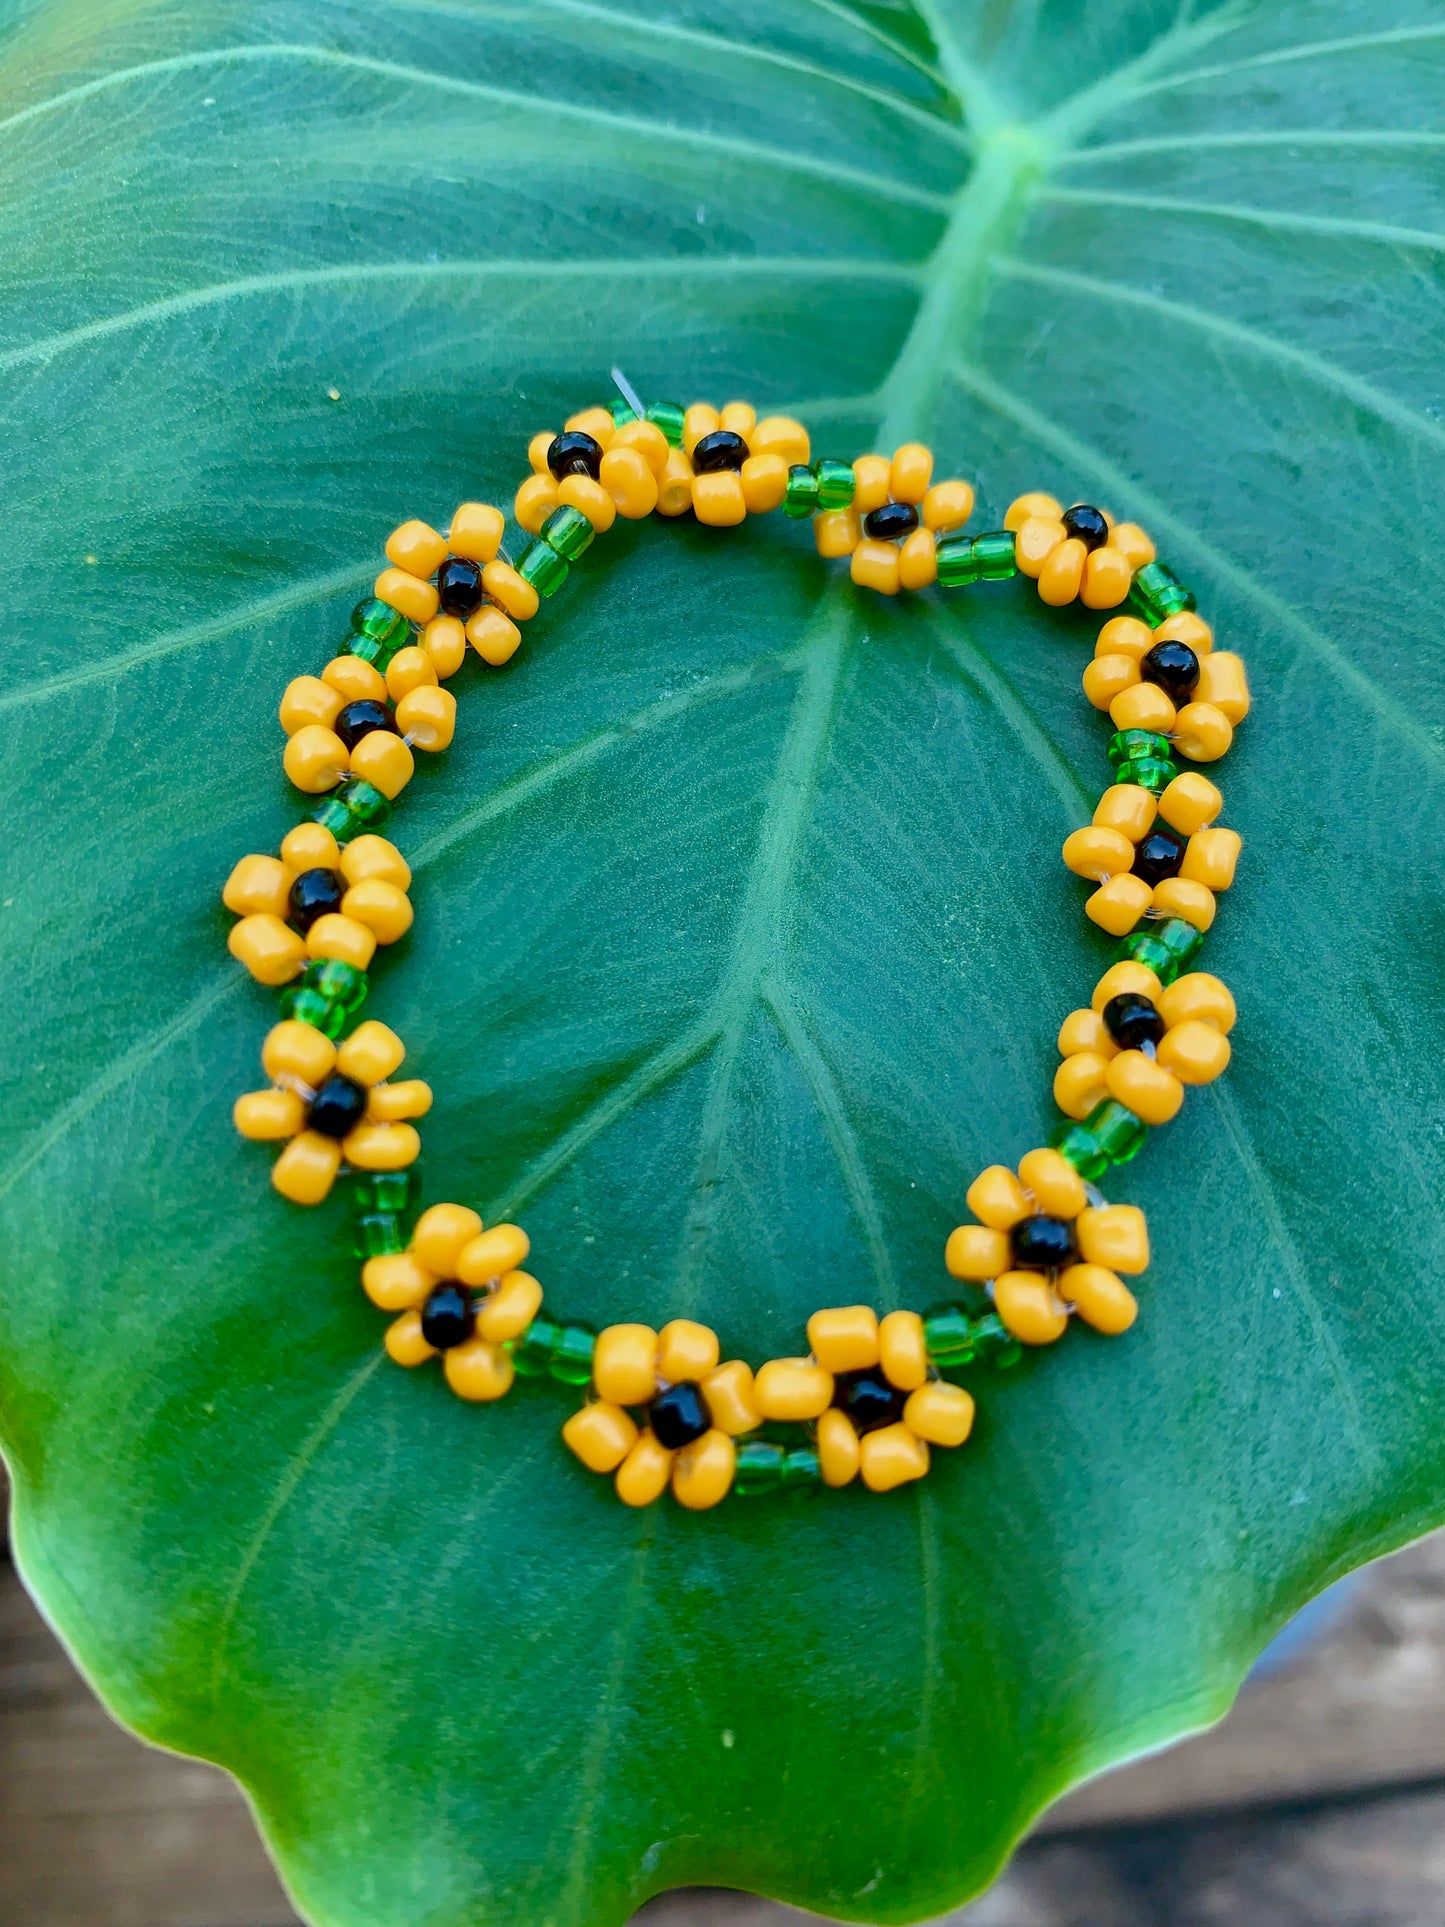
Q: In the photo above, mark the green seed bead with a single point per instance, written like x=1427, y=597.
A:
x=1137, y=746
x=948, y=1334
x=379, y=621
x=1157, y=593
x=1150, y=773
x=957, y=563
x=392, y=1191
x=835, y=484
x=995, y=1344
x=801, y=1469
x=568, y=531
x=1165, y=948
x=340, y=983
x=377, y=1234
x=1144, y=947
x=760, y=1468
x=543, y=568
x=352, y=809
x=668, y=416
x=621, y=411
x=310, y=1007
x=800, y=498
x=532, y=1352
x=1117, y=1132
x=1077, y=1143
x=571, y=1360
x=994, y=552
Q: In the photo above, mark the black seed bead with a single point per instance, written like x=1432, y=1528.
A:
x=1087, y=524
x=1043, y=1244
x=678, y=1416
x=892, y=519
x=1131, y=1020
x=574, y=454
x=447, y=1317
x=459, y=587
x=1159, y=855
x=315, y=893
x=338, y=1107
x=1175, y=667
x=721, y=449
x=360, y=718
x=868, y=1399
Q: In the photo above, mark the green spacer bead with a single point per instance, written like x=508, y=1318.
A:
x=571, y=1360
x=1156, y=593
x=760, y=1468
x=532, y=1352
x=1166, y=948
x=800, y=498
x=801, y=1469
x=948, y=1334
x=668, y=416
x=568, y=531
x=1137, y=746
x=995, y=554
x=392, y=1191
x=957, y=563
x=543, y=568
x=1117, y=1132
x=1142, y=946
x=836, y=483
x=379, y=621
x=1077, y=1143
x=995, y=1343
x=621, y=411
x=340, y=983
x=351, y=809
x=1150, y=773
x=377, y=1234
x=310, y=1007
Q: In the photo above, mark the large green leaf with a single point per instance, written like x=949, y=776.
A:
x=742, y=931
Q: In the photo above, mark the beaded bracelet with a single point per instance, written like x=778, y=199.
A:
x=871, y=1396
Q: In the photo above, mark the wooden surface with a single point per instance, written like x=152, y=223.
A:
x=1320, y=1800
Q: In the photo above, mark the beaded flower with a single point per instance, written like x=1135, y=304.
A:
x=1141, y=1042
x=1044, y=1246
x=317, y=902
x=1076, y=552
x=1157, y=855
x=888, y=515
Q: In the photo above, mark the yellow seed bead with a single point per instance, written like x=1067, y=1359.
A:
x=270, y=949
x=781, y=435
x=871, y=476
x=739, y=418
x=1030, y=1307
x=645, y=439
x=717, y=499
x=384, y=761
x=1125, y=636
x=644, y=1473
x=1048, y=507
x=947, y=506
x=1128, y=808
x=1109, y=676
x=702, y=1473
x=405, y=1344
x=940, y=1413
x=1035, y=542
x=1107, y=576
x=442, y=1233
x=601, y=1435
x=976, y=1252
x=296, y=1050
x=1100, y=1297
x=1211, y=856
x=511, y=591
x=396, y=1103
x=493, y=635
x=382, y=1147
x=477, y=1371
x=686, y=1351
x=427, y=716
x=1085, y=1030
x=371, y=856
x=341, y=940
x=308, y=699
x=415, y=599
x=266, y=1116
x=1195, y=1052
x=911, y=472
x=476, y=531
x=372, y=1052
x=1061, y=575
x=492, y=1254
x=1116, y=906
x=1132, y=543
x=838, y=1455
x=306, y=1169
x=1188, y=628
x=410, y=668
x=903, y=1350
x=537, y=450
x=1114, y=1235
x=996, y=1198
x=309, y=847
x=890, y=1457
x=1190, y=803
x=396, y=1281
x=1178, y=897
x=844, y=1339
x=1202, y=732
x=918, y=560
x=624, y=1364
x=1197, y=997
x=674, y=486
x=792, y=1388
x=354, y=680
x=589, y=498
x=1057, y=1188
x=535, y=501
x=1144, y=1086
x=1126, y=976
x=259, y=886
x=630, y=480
x=731, y=1398
x=699, y=420
x=837, y=532
x=1080, y=1083
x=875, y=566
x=385, y=910
x=594, y=421
x=1142, y=706
x=765, y=483
x=315, y=759
x=1222, y=683
x=1097, y=853
x=511, y=1307
x=416, y=548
